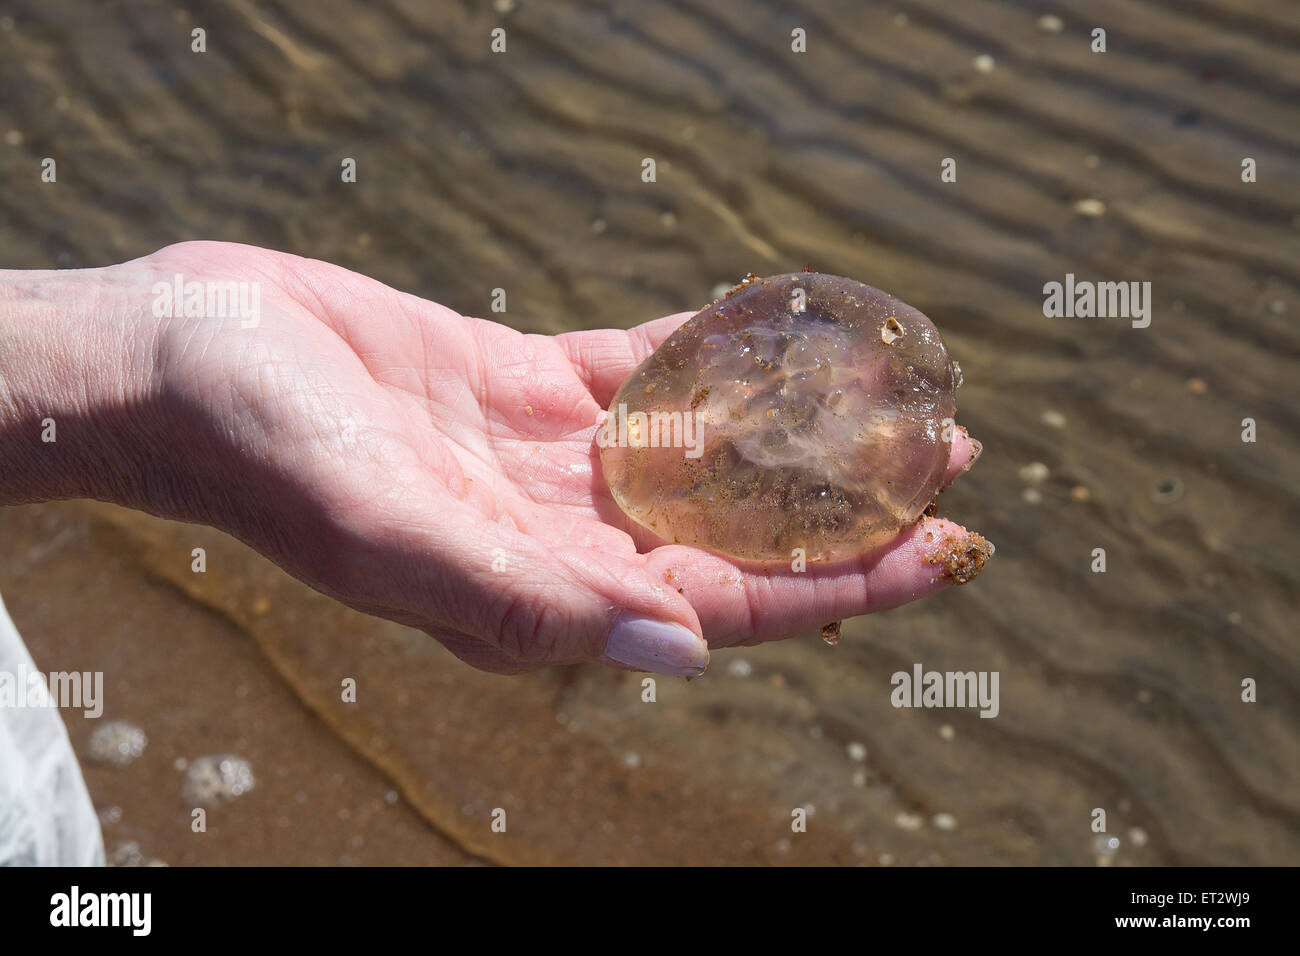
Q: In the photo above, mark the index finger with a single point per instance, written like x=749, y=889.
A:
x=603, y=358
x=737, y=605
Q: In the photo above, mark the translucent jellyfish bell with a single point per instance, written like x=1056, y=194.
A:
x=800, y=411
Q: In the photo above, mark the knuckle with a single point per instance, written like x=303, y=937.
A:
x=528, y=628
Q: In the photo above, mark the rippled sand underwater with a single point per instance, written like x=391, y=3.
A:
x=1119, y=690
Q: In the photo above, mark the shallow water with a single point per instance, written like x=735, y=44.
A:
x=522, y=170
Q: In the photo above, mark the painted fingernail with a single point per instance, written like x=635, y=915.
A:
x=656, y=646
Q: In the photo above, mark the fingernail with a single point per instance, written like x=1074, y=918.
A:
x=978, y=449
x=657, y=646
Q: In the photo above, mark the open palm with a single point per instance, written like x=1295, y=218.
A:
x=441, y=471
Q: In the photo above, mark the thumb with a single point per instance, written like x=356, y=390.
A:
x=567, y=605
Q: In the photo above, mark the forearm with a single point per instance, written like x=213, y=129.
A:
x=74, y=383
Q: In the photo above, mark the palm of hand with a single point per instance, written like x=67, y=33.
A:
x=440, y=471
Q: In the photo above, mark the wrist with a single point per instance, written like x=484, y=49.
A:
x=75, y=375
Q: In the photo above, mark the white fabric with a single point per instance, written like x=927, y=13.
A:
x=46, y=817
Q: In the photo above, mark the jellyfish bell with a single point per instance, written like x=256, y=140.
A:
x=800, y=411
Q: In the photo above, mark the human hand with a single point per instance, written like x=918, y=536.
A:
x=433, y=469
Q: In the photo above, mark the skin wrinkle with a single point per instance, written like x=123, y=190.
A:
x=423, y=339
x=483, y=393
x=531, y=369
x=601, y=580
x=534, y=642
x=483, y=450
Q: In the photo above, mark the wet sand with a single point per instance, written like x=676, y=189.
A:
x=1118, y=690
